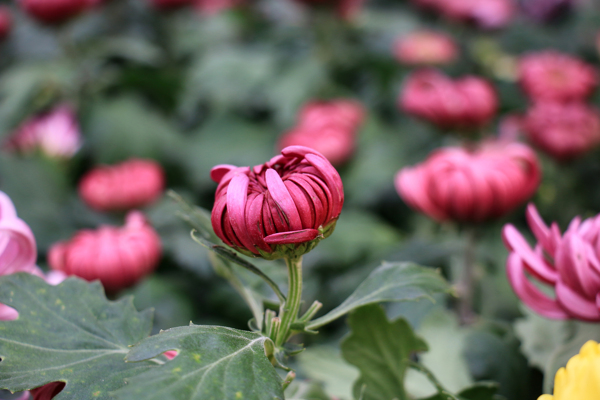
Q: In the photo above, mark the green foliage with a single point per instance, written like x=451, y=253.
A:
x=380, y=350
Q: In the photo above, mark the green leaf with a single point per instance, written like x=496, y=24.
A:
x=481, y=391
x=214, y=363
x=306, y=390
x=389, y=282
x=69, y=333
x=380, y=349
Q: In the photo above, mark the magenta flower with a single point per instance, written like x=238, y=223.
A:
x=56, y=134
x=471, y=185
x=118, y=257
x=131, y=184
x=486, y=14
x=18, y=250
x=327, y=127
x=550, y=75
x=293, y=200
x=563, y=130
x=569, y=263
x=425, y=48
x=464, y=103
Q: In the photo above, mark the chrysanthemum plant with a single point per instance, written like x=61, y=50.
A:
x=102, y=349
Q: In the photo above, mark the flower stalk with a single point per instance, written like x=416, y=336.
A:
x=289, y=309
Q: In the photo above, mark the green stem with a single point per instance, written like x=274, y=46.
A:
x=466, y=283
x=288, y=312
x=438, y=386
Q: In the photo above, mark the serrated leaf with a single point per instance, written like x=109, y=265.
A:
x=214, y=363
x=69, y=333
x=389, y=282
x=380, y=349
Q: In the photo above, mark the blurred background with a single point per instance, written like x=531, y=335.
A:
x=193, y=84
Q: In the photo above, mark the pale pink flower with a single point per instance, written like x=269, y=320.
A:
x=425, y=47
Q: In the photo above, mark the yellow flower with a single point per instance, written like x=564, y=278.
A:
x=580, y=380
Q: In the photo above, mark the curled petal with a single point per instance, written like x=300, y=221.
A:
x=301, y=236
x=219, y=171
x=534, y=264
x=283, y=199
x=540, y=229
x=237, y=195
x=577, y=306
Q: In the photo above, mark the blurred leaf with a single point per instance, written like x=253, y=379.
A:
x=389, y=282
x=480, y=391
x=380, y=350
x=129, y=48
x=325, y=364
x=305, y=390
x=68, y=333
x=210, y=365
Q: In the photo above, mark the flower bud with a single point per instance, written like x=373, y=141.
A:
x=564, y=131
x=554, y=76
x=56, y=134
x=464, y=103
x=278, y=209
x=118, y=257
x=569, y=263
x=327, y=127
x=54, y=11
x=132, y=184
x=5, y=22
x=425, y=48
x=471, y=185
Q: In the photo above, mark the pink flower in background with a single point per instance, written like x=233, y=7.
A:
x=471, y=185
x=327, y=127
x=569, y=263
x=464, y=103
x=564, y=131
x=425, y=48
x=169, y=4
x=212, y=7
x=131, y=184
x=56, y=134
x=292, y=199
x=554, y=76
x=5, y=22
x=486, y=14
x=545, y=10
x=117, y=256
x=54, y=11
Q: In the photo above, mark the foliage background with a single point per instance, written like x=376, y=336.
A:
x=193, y=91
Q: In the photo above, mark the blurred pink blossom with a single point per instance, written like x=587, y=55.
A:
x=554, y=76
x=486, y=14
x=425, y=48
x=6, y=22
x=130, y=184
x=212, y=7
x=328, y=127
x=471, y=185
x=564, y=131
x=117, y=256
x=464, y=103
x=54, y=11
x=56, y=134
x=568, y=263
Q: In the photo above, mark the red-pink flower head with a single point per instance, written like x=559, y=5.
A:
x=55, y=134
x=118, y=257
x=132, y=184
x=564, y=131
x=554, y=76
x=169, y=4
x=278, y=209
x=471, y=185
x=5, y=22
x=54, y=11
x=569, y=263
x=465, y=103
x=327, y=127
x=212, y=7
x=425, y=48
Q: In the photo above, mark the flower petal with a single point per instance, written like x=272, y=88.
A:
x=284, y=200
x=535, y=265
x=237, y=196
x=301, y=236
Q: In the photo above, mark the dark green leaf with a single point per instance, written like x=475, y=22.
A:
x=214, y=363
x=69, y=333
x=380, y=349
x=389, y=282
x=481, y=391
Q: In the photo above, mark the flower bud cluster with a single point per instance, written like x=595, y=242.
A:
x=327, y=127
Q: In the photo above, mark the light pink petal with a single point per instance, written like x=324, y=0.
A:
x=300, y=236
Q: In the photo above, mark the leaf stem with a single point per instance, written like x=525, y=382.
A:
x=466, y=283
x=438, y=386
x=288, y=312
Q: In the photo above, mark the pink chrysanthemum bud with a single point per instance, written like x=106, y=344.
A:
x=471, y=185
x=56, y=134
x=169, y=4
x=464, y=103
x=212, y=7
x=54, y=11
x=132, y=184
x=5, y=22
x=554, y=76
x=280, y=208
x=425, y=48
x=327, y=127
x=564, y=131
x=118, y=257
x=569, y=263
